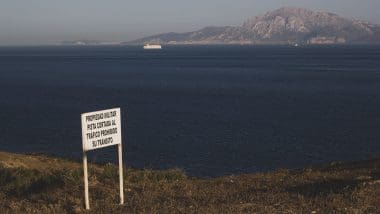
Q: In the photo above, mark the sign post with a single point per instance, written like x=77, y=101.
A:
x=121, y=183
x=101, y=129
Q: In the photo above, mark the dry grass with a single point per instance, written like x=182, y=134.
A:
x=337, y=188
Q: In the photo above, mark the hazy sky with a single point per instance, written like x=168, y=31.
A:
x=36, y=22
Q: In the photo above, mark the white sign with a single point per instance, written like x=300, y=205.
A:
x=101, y=129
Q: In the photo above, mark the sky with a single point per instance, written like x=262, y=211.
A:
x=46, y=22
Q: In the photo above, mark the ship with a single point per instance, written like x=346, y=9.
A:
x=152, y=47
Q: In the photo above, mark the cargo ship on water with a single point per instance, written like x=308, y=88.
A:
x=152, y=47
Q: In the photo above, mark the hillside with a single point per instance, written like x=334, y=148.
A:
x=41, y=184
x=281, y=26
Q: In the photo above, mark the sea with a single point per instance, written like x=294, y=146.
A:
x=207, y=110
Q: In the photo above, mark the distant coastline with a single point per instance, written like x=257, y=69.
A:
x=284, y=26
x=281, y=26
x=200, y=44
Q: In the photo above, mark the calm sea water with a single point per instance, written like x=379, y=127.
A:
x=208, y=110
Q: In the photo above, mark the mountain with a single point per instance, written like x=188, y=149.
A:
x=282, y=26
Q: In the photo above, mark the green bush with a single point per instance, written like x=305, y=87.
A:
x=19, y=182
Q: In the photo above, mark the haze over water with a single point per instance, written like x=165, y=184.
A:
x=211, y=110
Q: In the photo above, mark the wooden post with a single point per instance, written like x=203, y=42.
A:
x=87, y=202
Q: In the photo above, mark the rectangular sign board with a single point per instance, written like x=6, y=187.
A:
x=101, y=129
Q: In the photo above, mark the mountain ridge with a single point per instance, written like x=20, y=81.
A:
x=286, y=25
